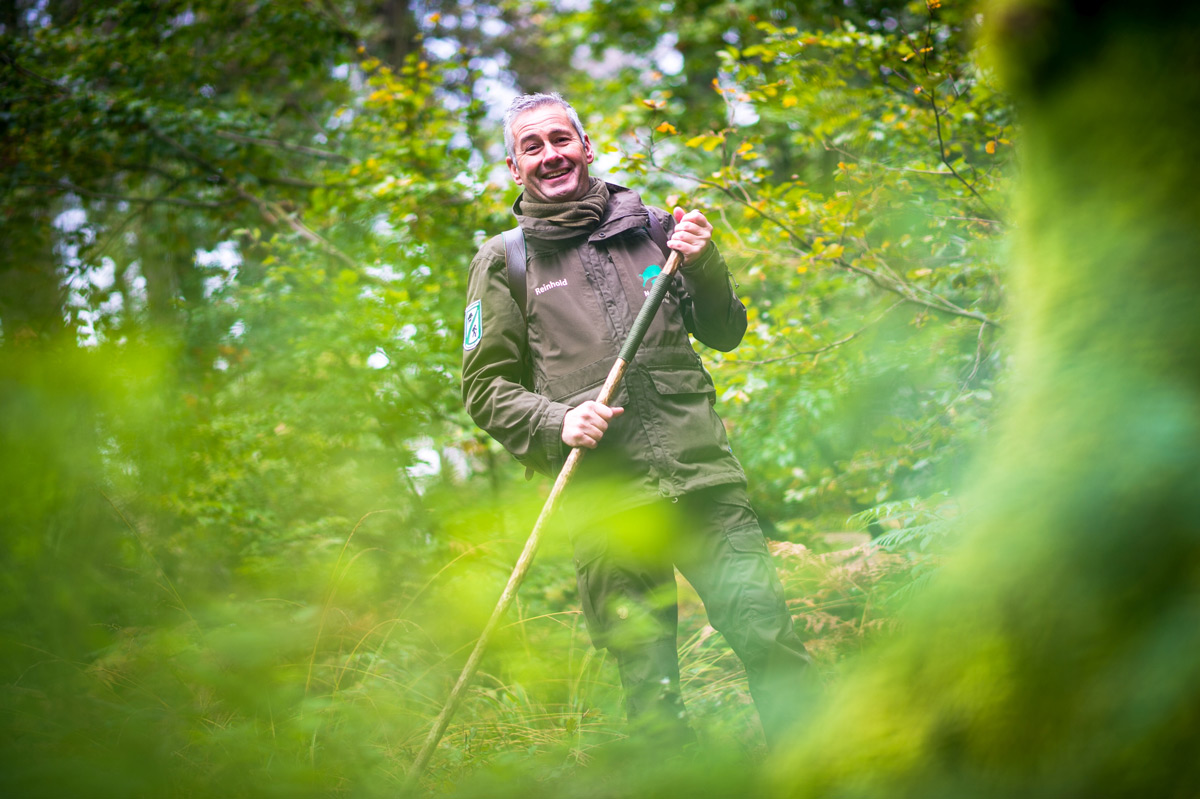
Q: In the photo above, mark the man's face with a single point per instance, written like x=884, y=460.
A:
x=551, y=163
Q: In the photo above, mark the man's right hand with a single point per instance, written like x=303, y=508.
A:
x=584, y=425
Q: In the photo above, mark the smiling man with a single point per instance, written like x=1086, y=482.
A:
x=662, y=490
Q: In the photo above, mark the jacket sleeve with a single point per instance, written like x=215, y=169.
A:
x=712, y=311
x=527, y=424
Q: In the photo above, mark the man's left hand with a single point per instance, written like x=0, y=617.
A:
x=692, y=235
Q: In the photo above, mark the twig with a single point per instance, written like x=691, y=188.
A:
x=937, y=115
x=978, y=361
x=819, y=350
x=119, y=229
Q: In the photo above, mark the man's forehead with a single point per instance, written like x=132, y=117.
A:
x=542, y=121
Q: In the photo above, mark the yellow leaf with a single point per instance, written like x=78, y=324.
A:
x=653, y=104
x=833, y=251
x=789, y=101
x=745, y=148
x=666, y=127
x=991, y=148
x=695, y=141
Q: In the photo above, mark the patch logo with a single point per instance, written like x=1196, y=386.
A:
x=473, y=325
x=652, y=271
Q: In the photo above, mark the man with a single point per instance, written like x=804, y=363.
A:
x=662, y=488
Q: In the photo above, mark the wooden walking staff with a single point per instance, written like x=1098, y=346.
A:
x=640, y=325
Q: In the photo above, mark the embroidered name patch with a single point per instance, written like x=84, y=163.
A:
x=553, y=284
x=473, y=325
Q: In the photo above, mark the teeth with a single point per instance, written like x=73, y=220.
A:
x=552, y=175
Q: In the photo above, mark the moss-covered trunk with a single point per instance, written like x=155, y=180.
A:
x=1059, y=655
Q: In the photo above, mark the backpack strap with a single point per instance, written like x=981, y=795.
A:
x=515, y=263
x=514, y=259
x=658, y=233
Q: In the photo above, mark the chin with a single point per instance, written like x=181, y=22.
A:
x=566, y=191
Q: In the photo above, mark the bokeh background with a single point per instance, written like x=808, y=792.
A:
x=249, y=534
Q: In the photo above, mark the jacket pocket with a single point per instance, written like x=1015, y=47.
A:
x=669, y=382
x=690, y=433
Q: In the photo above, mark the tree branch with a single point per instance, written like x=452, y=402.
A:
x=832, y=345
x=242, y=138
x=270, y=211
x=29, y=73
x=901, y=288
x=66, y=185
x=937, y=116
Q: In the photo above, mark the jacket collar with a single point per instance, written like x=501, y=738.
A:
x=625, y=212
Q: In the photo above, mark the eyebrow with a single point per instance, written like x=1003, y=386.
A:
x=549, y=134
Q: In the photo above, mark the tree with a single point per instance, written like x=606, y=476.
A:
x=1058, y=653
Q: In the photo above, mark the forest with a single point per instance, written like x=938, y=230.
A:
x=249, y=535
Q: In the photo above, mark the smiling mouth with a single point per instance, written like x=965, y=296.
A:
x=555, y=175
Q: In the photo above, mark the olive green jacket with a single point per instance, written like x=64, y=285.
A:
x=583, y=296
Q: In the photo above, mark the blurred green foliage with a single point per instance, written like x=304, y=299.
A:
x=249, y=535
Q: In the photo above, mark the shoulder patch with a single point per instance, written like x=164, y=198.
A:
x=473, y=325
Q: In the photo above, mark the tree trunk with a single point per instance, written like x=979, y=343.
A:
x=400, y=26
x=32, y=297
x=1059, y=652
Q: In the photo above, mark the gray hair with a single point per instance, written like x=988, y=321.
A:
x=528, y=102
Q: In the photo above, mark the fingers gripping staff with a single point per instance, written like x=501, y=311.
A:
x=640, y=325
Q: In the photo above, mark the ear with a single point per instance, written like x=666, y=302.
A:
x=588, y=153
x=512, y=169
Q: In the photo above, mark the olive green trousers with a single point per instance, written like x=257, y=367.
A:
x=625, y=564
